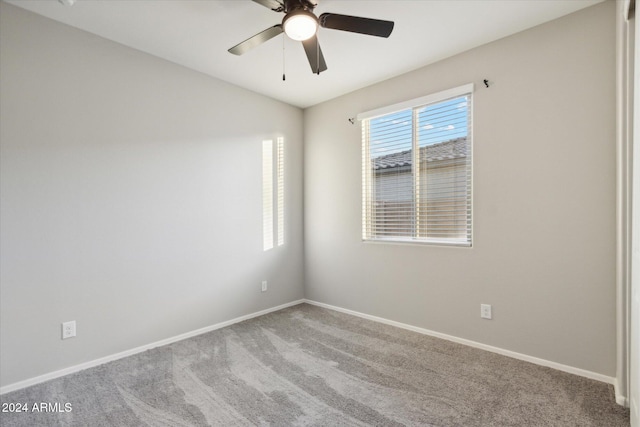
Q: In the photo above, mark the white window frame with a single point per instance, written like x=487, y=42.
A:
x=366, y=169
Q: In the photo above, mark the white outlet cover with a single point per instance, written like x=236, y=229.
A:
x=485, y=311
x=68, y=329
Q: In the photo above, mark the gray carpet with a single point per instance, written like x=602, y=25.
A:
x=315, y=367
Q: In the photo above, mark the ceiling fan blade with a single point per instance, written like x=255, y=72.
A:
x=356, y=24
x=275, y=5
x=314, y=55
x=256, y=40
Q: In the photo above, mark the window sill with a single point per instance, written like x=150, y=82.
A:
x=415, y=242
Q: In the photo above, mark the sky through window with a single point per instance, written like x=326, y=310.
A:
x=439, y=122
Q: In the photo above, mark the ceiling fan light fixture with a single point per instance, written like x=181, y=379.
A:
x=300, y=24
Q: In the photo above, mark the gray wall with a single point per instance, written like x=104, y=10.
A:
x=131, y=198
x=544, y=200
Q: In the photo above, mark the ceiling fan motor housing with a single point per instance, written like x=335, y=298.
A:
x=300, y=24
x=291, y=5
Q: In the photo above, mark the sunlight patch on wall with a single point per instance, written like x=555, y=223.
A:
x=267, y=195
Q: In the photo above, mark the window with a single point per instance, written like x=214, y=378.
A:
x=268, y=205
x=416, y=170
x=280, y=188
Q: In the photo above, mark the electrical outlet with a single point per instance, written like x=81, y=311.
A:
x=68, y=329
x=264, y=286
x=485, y=311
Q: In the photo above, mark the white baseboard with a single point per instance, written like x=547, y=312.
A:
x=509, y=353
x=620, y=398
x=106, y=359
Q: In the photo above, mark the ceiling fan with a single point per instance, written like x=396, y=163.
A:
x=300, y=23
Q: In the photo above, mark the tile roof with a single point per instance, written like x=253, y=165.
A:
x=447, y=150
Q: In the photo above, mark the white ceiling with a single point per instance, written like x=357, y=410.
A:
x=197, y=34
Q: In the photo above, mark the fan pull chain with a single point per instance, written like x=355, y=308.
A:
x=283, y=76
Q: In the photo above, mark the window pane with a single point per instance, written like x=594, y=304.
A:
x=444, y=199
x=280, y=188
x=391, y=158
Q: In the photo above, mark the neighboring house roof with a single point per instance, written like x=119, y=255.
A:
x=447, y=150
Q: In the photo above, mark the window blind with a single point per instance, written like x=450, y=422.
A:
x=416, y=170
x=271, y=205
x=280, y=188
